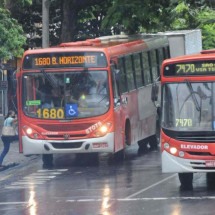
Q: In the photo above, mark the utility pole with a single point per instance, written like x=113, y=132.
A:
x=45, y=24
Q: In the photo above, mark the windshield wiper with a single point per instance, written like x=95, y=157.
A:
x=49, y=78
x=192, y=92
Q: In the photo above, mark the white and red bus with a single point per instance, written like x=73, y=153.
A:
x=188, y=116
x=61, y=109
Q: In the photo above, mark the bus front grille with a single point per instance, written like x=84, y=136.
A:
x=72, y=145
x=65, y=127
x=201, y=165
x=191, y=136
x=196, y=138
x=71, y=136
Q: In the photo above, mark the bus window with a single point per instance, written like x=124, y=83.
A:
x=154, y=65
x=146, y=70
x=166, y=52
x=137, y=67
x=160, y=58
x=123, y=79
x=129, y=73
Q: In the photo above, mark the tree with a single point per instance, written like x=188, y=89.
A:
x=90, y=22
x=186, y=16
x=12, y=37
x=137, y=15
x=72, y=20
x=71, y=9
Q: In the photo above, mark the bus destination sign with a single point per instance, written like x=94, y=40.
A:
x=194, y=68
x=64, y=60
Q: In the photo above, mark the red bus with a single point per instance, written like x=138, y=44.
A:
x=188, y=116
x=89, y=96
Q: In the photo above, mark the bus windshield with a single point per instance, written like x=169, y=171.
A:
x=188, y=106
x=57, y=95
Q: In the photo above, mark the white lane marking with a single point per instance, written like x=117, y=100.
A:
x=24, y=182
x=47, y=173
x=6, y=177
x=13, y=203
x=54, y=170
x=151, y=186
x=16, y=187
x=143, y=199
x=38, y=178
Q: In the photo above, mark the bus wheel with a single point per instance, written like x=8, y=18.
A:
x=153, y=142
x=186, y=180
x=143, y=145
x=47, y=160
x=120, y=155
x=127, y=141
x=210, y=176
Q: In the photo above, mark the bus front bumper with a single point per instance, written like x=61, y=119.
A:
x=101, y=144
x=175, y=164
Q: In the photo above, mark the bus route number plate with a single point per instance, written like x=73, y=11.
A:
x=210, y=163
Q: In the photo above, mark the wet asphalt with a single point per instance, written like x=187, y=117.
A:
x=99, y=186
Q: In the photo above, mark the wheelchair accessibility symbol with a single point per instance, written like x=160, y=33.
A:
x=71, y=110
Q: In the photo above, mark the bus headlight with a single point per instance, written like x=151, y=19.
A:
x=103, y=130
x=173, y=150
x=31, y=133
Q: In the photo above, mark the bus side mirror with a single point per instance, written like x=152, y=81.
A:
x=116, y=102
x=154, y=92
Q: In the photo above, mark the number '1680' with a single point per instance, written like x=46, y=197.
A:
x=51, y=113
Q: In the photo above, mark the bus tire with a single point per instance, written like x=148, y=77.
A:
x=186, y=180
x=47, y=160
x=153, y=142
x=210, y=176
x=143, y=145
x=127, y=141
x=120, y=155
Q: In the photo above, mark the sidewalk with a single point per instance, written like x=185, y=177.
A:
x=13, y=158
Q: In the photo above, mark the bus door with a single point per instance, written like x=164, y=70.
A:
x=118, y=135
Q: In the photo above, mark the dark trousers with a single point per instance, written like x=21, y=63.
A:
x=6, y=142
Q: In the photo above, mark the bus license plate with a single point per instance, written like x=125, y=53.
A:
x=210, y=163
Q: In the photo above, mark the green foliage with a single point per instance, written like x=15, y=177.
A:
x=90, y=20
x=186, y=16
x=11, y=3
x=96, y=18
x=206, y=20
x=136, y=15
x=12, y=36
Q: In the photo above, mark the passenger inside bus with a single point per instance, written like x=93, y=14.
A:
x=56, y=96
x=99, y=86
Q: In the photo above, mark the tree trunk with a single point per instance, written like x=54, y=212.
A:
x=69, y=21
x=70, y=10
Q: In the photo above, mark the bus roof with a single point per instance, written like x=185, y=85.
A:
x=114, y=45
x=204, y=54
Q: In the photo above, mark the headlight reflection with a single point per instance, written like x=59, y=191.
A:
x=32, y=203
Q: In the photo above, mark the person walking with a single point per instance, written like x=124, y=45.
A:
x=10, y=120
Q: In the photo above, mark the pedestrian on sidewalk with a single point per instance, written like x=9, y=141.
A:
x=10, y=120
